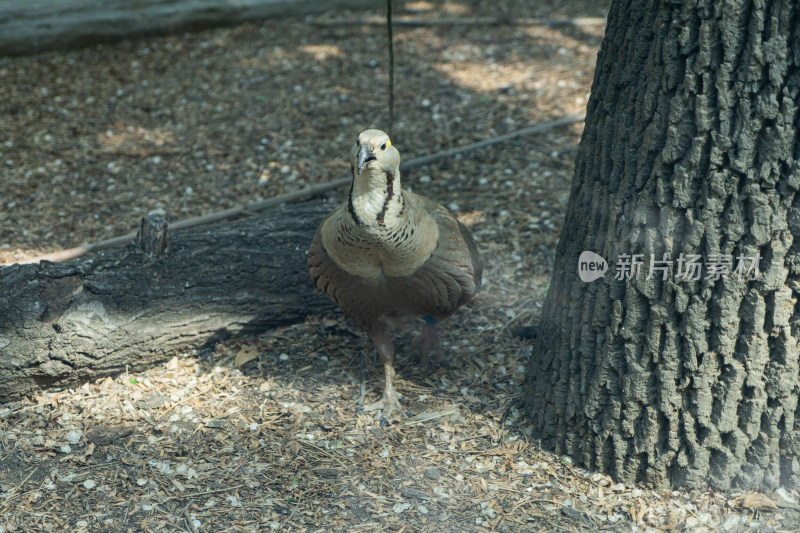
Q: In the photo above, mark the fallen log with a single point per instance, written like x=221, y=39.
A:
x=66, y=323
x=33, y=26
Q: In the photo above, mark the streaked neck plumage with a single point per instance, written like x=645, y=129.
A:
x=375, y=200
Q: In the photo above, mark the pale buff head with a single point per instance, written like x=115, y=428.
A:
x=373, y=150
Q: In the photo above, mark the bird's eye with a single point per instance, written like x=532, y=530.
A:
x=358, y=143
x=383, y=146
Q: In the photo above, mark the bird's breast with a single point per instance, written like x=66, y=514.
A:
x=379, y=251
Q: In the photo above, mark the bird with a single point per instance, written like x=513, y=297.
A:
x=388, y=255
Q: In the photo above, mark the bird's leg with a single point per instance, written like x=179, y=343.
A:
x=427, y=342
x=363, y=394
x=390, y=401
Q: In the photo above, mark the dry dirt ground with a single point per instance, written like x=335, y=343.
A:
x=263, y=434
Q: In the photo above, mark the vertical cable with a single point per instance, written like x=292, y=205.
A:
x=391, y=64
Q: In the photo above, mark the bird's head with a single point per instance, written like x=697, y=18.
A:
x=373, y=149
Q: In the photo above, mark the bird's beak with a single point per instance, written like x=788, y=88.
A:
x=365, y=155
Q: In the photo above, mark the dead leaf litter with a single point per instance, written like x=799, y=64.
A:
x=265, y=434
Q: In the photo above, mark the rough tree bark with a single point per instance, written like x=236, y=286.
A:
x=691, y=147
x=65, y=323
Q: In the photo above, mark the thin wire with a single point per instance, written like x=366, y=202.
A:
x=391, y=64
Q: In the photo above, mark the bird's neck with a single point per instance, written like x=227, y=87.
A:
x=375, y=199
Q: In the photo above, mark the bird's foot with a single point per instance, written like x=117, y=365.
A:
x=390, y=403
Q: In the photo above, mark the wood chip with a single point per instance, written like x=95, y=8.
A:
x=414, y=493
x=756, y=500
x=105, y=435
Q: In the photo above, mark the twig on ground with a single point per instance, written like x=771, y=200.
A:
x=188, y=519
x=14, y=490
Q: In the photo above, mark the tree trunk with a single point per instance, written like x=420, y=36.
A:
x=64, y=323
x=691, y=147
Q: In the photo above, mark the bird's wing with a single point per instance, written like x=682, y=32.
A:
x=451, y=275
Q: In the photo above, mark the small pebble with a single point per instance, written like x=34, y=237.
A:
x=432, y=473
x=74, y=436
x=400, y=507
x=414, y=493
x=89, y=484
